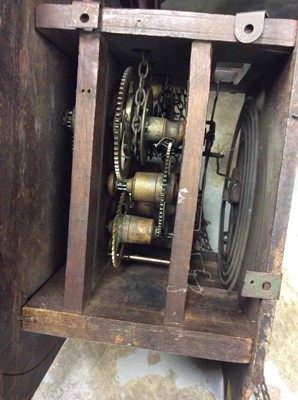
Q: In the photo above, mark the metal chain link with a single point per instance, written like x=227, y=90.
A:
x=167, y=143
x=139, y=100
x=261, y=391
x=172, y=103
x=202, y=236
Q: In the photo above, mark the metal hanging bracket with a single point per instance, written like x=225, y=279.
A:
x=85, y=15
x=249, y=26
x=262, y=285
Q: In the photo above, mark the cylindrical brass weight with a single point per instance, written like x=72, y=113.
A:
x=146, y=186
x=134, y=229
x=157, y=128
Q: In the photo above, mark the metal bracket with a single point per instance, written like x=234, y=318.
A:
x=85, y=15
x=249, y=26
x=262, y=285
x=232, y=73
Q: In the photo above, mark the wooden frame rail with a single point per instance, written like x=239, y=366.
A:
x=198, y=94
x=278, y=33
x=82, y=220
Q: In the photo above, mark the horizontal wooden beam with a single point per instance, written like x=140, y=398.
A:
x=194, y=26
x=116, y=315
x=163, y=338
x=278, y=33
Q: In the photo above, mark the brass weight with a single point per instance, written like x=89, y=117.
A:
x=145, y=186
x=134, y=229
x=158, y=128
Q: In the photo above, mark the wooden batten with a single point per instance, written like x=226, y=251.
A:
x=82, y=224
x=278, y=33
x=199, y=83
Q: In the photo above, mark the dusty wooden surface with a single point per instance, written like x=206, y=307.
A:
x=199, y=82
x=195, y=26
x=37, y=87
x=127, y=309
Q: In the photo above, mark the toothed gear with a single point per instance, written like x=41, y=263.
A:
x=122, y=126
x=116, y=252
x=165, y=181
x=69, y=119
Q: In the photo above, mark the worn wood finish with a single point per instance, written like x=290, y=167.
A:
x=56, y=16
x=127, y=308
x=287, y=84
x=189, y=25
x=83, y=215
x=110, y=72
x=276, y=172
x=199, y=81
x=35, y=164
x=288, y=168
x=195, y=26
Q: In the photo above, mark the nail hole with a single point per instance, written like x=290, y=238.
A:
x=84, y=18
x=89, y=90
x=252, y=282
x=248, y=28
x=266, y=285
x=83, y=90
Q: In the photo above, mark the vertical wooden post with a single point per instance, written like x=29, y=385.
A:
x=82, y=222
x=199, y=83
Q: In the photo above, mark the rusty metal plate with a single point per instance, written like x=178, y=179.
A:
x=262, y=285
x=85, y=15
x=249, y=26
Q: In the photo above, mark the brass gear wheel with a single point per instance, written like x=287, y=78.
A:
x=122, y=125
x=117, y=247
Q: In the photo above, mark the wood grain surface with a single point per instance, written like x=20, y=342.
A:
x=127, y=308
x=199, y=83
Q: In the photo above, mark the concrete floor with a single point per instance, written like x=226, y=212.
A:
x=91, y=371
x=85, y=370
